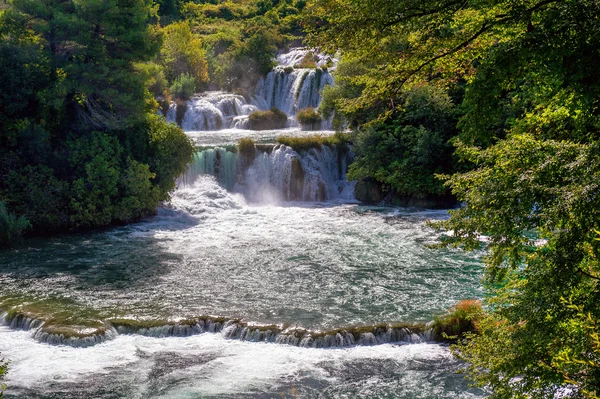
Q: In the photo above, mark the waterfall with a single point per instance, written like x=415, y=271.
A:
x=230, y=329
x=293, y=90
x=276, y=173
x=216, y=110
x=286, y=87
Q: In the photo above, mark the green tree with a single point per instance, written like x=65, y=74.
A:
x=182, y=53
x=529, y=131
x=537, y=203
x=405, y=152
x=76, y=119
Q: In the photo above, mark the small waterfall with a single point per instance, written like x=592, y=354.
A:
x=229, y=328
x=218, y=162
x=276, y=173
x=293, y=90
x=215, y=111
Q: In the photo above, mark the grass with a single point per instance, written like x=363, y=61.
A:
x=247, y=148
x=265, y=120
x=309, y=119
x=11, y=226
x=308, y=61
x=461, y=319
x=338, y=140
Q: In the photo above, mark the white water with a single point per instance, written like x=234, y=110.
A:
x=216, y=110
x=240, y=249
x=209, y=366
x=320, y=174
x=285, y=88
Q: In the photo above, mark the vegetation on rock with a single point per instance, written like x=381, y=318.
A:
x=309, y=119
x=266, y=120
x=339, y=140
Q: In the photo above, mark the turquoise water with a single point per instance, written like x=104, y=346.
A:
x=315, y=266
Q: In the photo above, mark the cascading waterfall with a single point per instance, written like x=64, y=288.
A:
x=229, y=329
x=276, y=173
x=293, y=90
x=216, y=110
x=285, y=88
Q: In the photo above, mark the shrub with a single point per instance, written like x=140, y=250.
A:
x=180, y=110
x=309, y=119
x=271, y=119
x=462, y=318
x=3, y=370
x=308, y=61
x=338, y=140
x=182, y=52
x=11, y=229
x=171, y=150
x=183, y=87
x=246, y=147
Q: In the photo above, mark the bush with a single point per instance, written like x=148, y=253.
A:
x=183, y=87
x=246, y=147
x=11, y=230
x=3, y=370
x=171, y=150
x=308, y=61
x=338, y=140
x=265, y=120
x=463, y=318
x=182, y=53
x=309, y=119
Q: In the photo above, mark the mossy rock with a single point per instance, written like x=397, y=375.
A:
x=309, y=119
x=268, y=120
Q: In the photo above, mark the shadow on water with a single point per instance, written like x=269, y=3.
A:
x=118, y=258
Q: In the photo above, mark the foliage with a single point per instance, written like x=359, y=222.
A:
x=338, y=140
x=525, y=79
x=171, y=151
x=154, y=76
x=539, y=338
x=265, y=120
x=461, y=320
x=247, y=147
x=11, y=226
x=182, y=53
x=308, y=61
x=184, y=87
x=405, y=152
x=241, y=38
x=309, y=118
x=78, y=131
x=3, y=371
x=338, y=100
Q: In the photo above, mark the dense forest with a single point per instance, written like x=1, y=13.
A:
x=493, y=103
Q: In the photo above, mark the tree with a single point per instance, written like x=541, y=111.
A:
x=182, y=53
x=529, y=132
x=77, y=120
x=538, y=203
x=405, y=152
